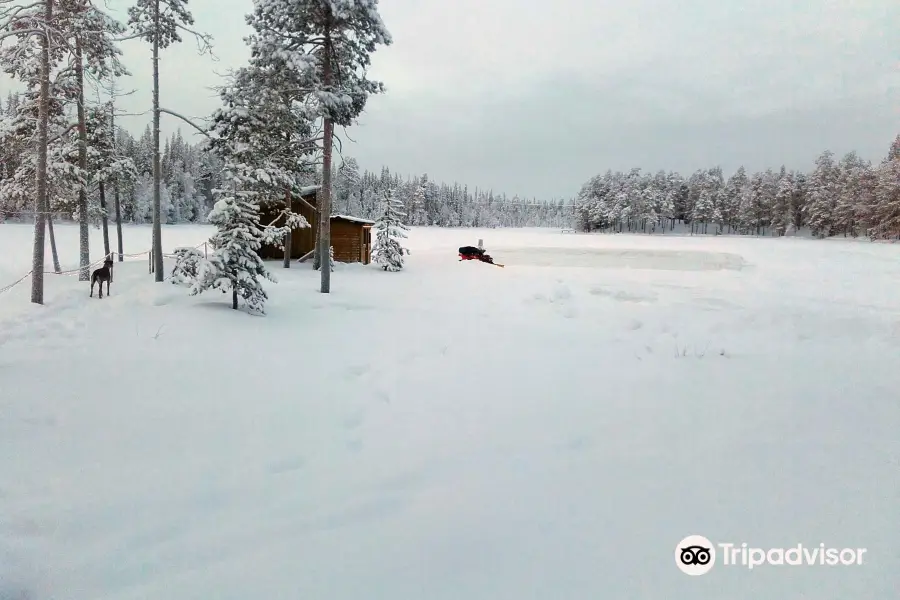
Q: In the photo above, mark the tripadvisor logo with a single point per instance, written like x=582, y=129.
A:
x=696, y=555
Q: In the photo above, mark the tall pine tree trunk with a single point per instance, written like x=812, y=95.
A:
x=104, y=218
x=289, y=236
x=84, y=254
x=157, y=202
x=118, y=206
x=53, y=252
x=118, y=219
x=325, y=199
x=37, y=257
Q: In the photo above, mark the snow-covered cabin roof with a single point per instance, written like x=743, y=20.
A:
x=353, y=219
x=309, y=189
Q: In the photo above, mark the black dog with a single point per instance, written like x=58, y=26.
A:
x=100, y=275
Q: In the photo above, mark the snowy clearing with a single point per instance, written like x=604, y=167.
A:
x=549, y=430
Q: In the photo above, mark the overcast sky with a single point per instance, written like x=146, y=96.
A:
x=534, y=98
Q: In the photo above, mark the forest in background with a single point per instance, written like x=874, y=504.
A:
x=190, y=174
x=847, y=197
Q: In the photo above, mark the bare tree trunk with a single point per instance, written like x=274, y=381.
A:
x=37, y=258
x=317, y=253
x=84, y=254
x=157, y=202
x=289, y=236
x=325, y=196
x=56, y=267
x=118, y=206
x=104, y=218
x=118, y=219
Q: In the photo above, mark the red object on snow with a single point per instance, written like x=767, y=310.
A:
x=473, y=253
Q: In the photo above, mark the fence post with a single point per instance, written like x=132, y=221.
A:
x=204, y=250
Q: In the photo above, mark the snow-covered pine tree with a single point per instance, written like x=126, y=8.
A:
x=767, y=198
x=17, y=134
x=91, y=36
x=731, y=198
x=160, y=22
x=894, y=151
x=781, y=210
x=346, y=183
x=665, y=207
x=387, y=252
x=866, y=202
x=798, y=199
x=849, y=193
x=106, y=163
x=32, y=64
x=750, y=205
x=332, y=42
x=269, y=108
x=265, y=130
x=417, y=214
x=705, y=202
x=234, y=264
x=821, y=196
x=188, y=262
x=887, y=192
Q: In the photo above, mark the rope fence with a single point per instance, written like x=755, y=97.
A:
x=110, y=256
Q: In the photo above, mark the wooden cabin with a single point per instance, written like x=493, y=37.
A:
x=351, y=237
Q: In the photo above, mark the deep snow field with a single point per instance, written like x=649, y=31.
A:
x=455, y=431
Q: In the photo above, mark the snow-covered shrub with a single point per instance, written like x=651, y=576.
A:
x=389, y=230
x=187, y=266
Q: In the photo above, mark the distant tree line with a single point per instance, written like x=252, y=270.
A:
x=850, y=197
x=426, y=202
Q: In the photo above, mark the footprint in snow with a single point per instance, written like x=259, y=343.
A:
x=354, y=420
x=358, y=370
x=287, y=465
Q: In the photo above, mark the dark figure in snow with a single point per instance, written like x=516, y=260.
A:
x=473, y=253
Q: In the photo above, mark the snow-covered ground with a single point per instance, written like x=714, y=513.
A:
x=550, y=430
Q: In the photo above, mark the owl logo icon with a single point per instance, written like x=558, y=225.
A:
x=695, y=555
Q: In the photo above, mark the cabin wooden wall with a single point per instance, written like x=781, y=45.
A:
x=346, y=239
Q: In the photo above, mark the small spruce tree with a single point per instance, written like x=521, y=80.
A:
x=235, y=264
x=387, y=252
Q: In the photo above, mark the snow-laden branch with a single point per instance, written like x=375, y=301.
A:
x=62, y=134
x=204, y=40
x=20, y=33
x=185, y=119
x=133, y=36
x=12, y=12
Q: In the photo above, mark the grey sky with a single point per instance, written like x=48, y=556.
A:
x=535, y=98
